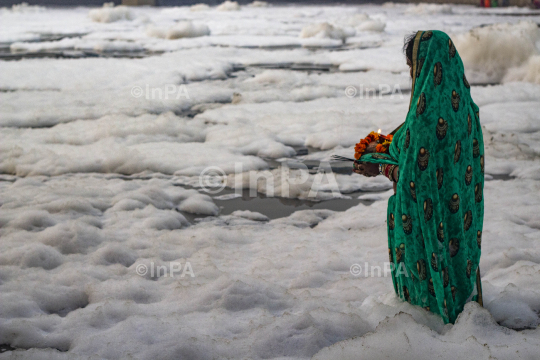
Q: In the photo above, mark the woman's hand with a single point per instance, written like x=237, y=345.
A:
x=366, y=169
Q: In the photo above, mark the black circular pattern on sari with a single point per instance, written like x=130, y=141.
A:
x=428, y=209
x=419, y=67
x=482, y=164
x=391, y=222
x=406, y=293
x=421, y=267
x=434, y=265
x=446, y=277
x=423, y=159
x=427, y=35
x=407, y=224
x=467, y=220
x=468, y=175
x=430, y=287
x=469, y=268
x=390, y=255
x=440, y=177
x=454, y=290
x=400, y=252
x=455, y=100
x=437, y=74
x=453, y=247
x=421, y=104
x=413, y=190
x=451, y=48
x=453, y=205
x=440, y=232
x=469, y=124
x=475, y=148
x=465, y=82
x=442, y=128
x=398, y=255
x=479, y=239
x=478, y=192
x=407, y=140
x=457, y=151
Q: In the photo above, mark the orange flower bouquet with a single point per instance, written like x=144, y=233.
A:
x=383, y=143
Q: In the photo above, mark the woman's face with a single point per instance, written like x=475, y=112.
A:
x=410, y=66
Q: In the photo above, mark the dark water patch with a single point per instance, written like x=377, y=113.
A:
x=289, y=66
x=277, y=207
x=74, y=54
x=520, y=14
x=504, y=177
x=6, y=347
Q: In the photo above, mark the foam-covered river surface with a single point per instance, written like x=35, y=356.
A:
x=167, y=189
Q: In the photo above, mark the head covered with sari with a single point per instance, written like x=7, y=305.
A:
x=435, y=218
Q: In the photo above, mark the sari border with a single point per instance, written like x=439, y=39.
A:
x=415, y=62
x=416, y=45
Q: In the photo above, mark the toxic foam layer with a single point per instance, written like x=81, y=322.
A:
x=489, y=52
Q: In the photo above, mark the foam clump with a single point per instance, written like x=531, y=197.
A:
x=363, y=22
x=228, y=6
x=488, y=52
x=250, y=215
x=474, y=335
x=199, y=7
x=183, y=29
x=428, y=9
x=528, y=72
x=24, y=8
x=110, y=13
x=42, y=256
x=115, y=254
x=325, y=30
x=199, y=204
x=258, y=3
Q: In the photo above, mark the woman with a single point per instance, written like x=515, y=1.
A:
x=436, y=160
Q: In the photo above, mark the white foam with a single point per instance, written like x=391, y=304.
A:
x=325, y=30
x=182, y=29
x=427, y=9
x=228, y=6
x=110, y=13
x=199, y=7
x=488, y=52
x=258, y=3
x=528, y=72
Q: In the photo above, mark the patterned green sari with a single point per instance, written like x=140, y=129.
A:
x=435, y=218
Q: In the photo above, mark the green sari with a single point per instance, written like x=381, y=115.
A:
x=435, y=218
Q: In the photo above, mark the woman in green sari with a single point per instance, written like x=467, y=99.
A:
x=436, y=160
